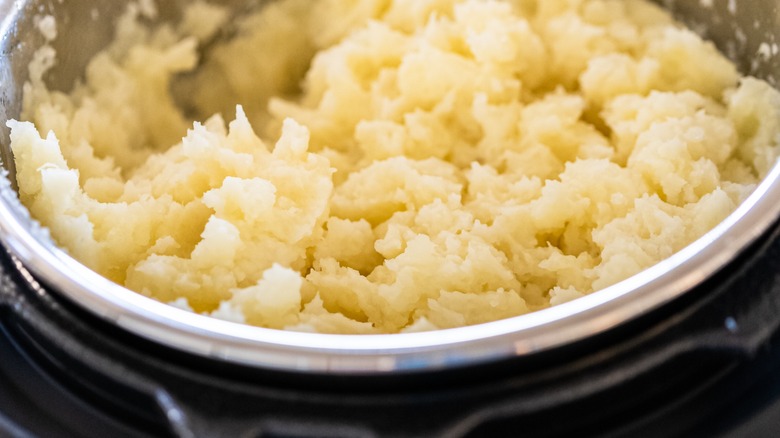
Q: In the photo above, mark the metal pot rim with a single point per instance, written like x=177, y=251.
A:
x=37, y=257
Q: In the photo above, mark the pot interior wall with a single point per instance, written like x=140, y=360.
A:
x=747, y=32
x=83, y=29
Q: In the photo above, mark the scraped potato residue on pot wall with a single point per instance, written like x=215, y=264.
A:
x=396, y=165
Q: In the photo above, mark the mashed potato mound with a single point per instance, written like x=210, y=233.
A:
x=397, y=165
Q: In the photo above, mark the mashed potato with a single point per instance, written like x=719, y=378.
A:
x=397, y=165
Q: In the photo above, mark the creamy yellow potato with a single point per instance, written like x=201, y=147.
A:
x=396, y=165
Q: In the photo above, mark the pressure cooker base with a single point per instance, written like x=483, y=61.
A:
x=678, y=369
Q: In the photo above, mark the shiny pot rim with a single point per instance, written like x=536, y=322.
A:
x=37, y=257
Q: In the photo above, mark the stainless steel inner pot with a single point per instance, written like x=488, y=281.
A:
x=745, y=31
